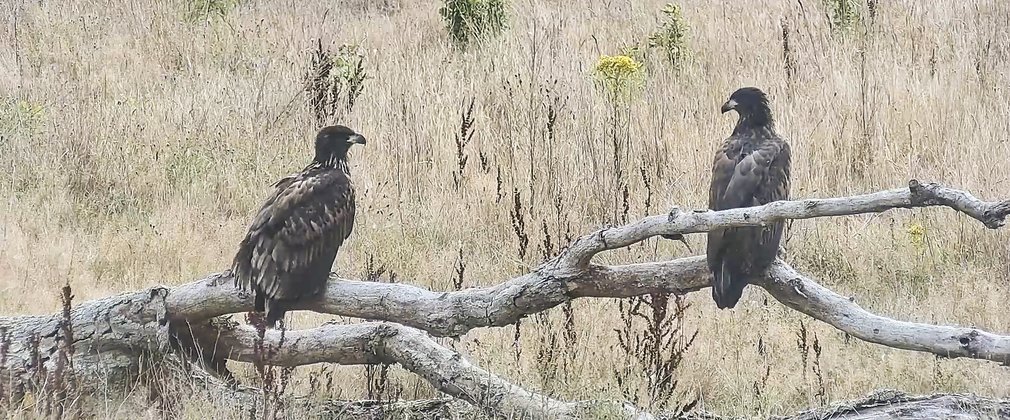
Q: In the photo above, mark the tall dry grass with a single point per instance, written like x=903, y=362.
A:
x=137, y=142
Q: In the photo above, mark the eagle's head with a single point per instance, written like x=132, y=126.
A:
x=751, y=104
x=333, y=142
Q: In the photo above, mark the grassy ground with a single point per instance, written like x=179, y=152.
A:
x=138, y=138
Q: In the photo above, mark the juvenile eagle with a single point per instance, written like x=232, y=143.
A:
x=750, y=169
x=287, y=254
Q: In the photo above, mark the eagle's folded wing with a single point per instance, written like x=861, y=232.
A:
x=303, y=221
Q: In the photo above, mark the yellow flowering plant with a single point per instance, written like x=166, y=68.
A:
x=619, y=75
x=917, y=234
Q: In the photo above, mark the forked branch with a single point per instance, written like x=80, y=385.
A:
x=805, y=295
x=388, y=343
x=992, y=214
x=124, y=328
x=454, y=313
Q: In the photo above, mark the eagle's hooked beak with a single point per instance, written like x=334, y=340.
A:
x=729, y=105
x=356, y=139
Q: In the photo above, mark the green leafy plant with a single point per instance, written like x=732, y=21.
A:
x=844, y=15
x=470, y=21
x=205, y=10
x=671, y=37
x=334, y=81
x=21, y=117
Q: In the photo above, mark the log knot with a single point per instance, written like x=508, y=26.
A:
x=886, y=395
x=220, y=278
x=672, y=217
x=375, y=343
x=602, y=235
x=995, y=216
x=386, y=330
x=796, y=284
x=919, y=194
x=673, y=214
x=969, y=342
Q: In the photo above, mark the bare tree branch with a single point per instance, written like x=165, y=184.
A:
x=414, y=350
x=569, y=276
x=121, y=330
x=454, y=313
x=991, y=214
x=804, y=295
x=451, y=313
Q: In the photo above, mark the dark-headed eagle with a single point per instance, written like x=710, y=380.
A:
x=289, y=250
x=750, y=169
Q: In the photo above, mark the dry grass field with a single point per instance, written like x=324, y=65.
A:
x=137, y=140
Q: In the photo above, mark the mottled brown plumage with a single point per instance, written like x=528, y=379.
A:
x=750, y=169
x=289, y=250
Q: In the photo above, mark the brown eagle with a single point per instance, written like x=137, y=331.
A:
x=750, y=169
x=287, y=254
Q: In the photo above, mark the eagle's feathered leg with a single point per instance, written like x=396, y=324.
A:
x=260, y=304
x=275, y=312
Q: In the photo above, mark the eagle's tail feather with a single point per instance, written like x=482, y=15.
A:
x=727, y=286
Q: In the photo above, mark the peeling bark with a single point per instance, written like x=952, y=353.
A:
x=111, y=335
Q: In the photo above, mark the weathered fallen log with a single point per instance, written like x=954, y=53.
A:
x=111, y=336
x=891, y=404
x=882, y=404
